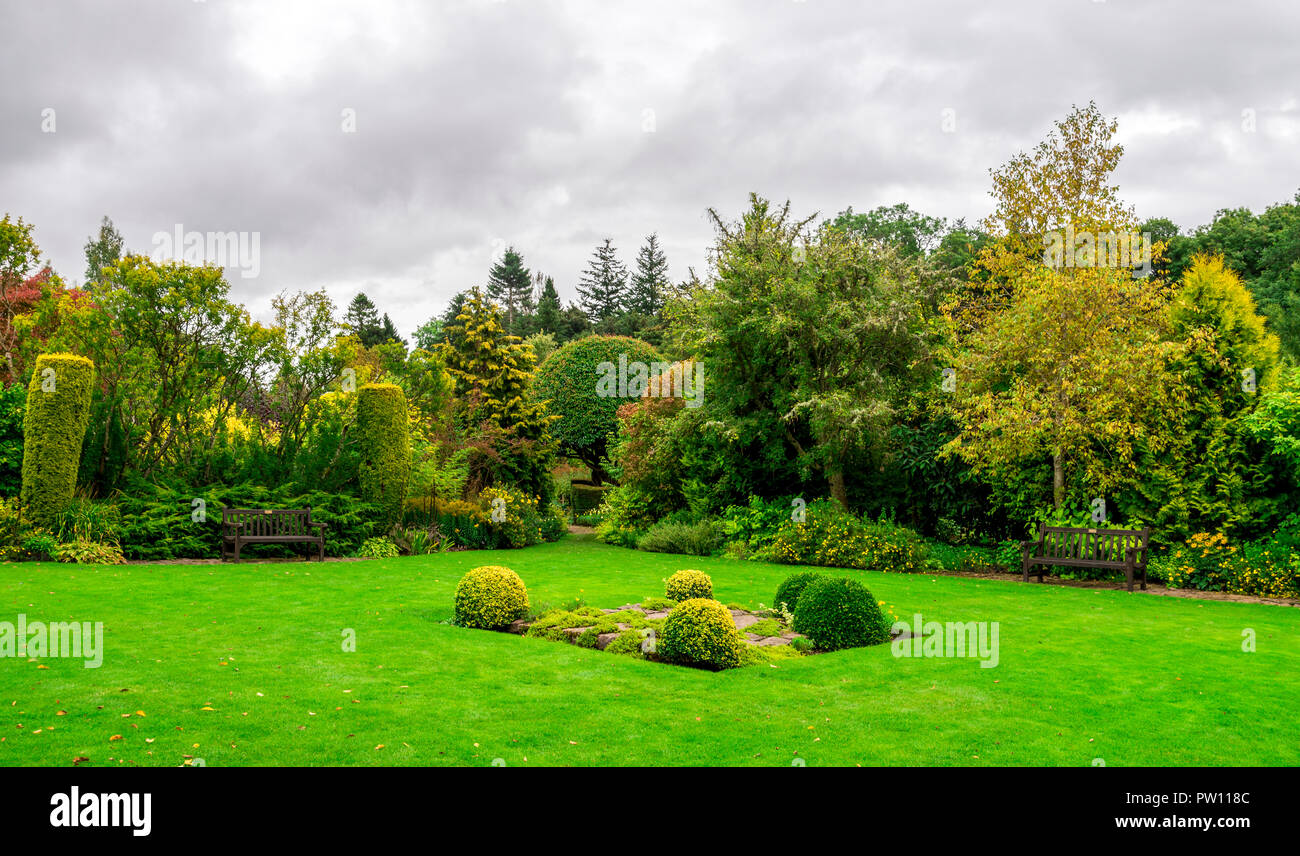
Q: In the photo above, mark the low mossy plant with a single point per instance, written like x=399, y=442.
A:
x=767, y=627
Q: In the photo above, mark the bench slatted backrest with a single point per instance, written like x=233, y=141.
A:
x=1092, y=545
x=265, y=523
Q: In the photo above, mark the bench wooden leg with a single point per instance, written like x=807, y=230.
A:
x=1128, y=574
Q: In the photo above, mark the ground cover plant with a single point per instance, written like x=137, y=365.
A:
x=249, y=664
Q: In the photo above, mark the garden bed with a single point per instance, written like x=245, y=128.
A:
x=756, y=628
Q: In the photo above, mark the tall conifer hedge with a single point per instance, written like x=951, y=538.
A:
x=54, y=425
x=385, y=469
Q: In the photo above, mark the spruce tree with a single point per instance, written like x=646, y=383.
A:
x=510, y=283
x=650, y=281
x=388, y=332
x=548, y=308
x=362, y=320
x=603, y=285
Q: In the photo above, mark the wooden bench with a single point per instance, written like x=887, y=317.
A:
x=241, y=526
x=1118, y=549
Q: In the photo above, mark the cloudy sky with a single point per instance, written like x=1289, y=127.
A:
x=395, y=147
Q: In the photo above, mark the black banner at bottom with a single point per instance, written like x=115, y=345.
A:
x=332, y=806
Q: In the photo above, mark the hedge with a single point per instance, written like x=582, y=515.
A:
x=385, y=468
x=54, y=425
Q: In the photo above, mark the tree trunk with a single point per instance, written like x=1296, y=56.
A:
x=1058, y=479
x=838, y=493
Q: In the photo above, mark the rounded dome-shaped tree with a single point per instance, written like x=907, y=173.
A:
x=585, y=382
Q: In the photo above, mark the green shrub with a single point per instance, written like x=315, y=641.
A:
x=490, y=596
x=691, y=539
x=89, y=553
x=625, y=515
x=41, y=546
x=15, y=529
x=378, y=548
x=384, y=442
x=54, y=424
x=950, y=531
x=688, y=584
x=756, y=524
x=837, y=612
x=1010, y=556
x=788, y=591
x=701, y=632
x=86, y=520
x=159, y=522
x=13, y=398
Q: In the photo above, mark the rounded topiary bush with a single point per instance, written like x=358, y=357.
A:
x=701, y=632
x=688, y=584
x=788, y=591
x=490, y=596
x=837, y=612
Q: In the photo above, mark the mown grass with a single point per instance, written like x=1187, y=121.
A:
x=1132, y=679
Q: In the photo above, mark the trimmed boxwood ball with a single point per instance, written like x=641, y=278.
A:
x=384, y=443
x=54, y=425
x=489, y=597
x=688, y=584
x=837, y=612
x=701, y=632
x=788, y=591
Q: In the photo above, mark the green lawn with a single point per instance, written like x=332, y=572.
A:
x=1131, y=679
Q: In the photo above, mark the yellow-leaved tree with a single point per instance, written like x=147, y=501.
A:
x=1057, y=360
